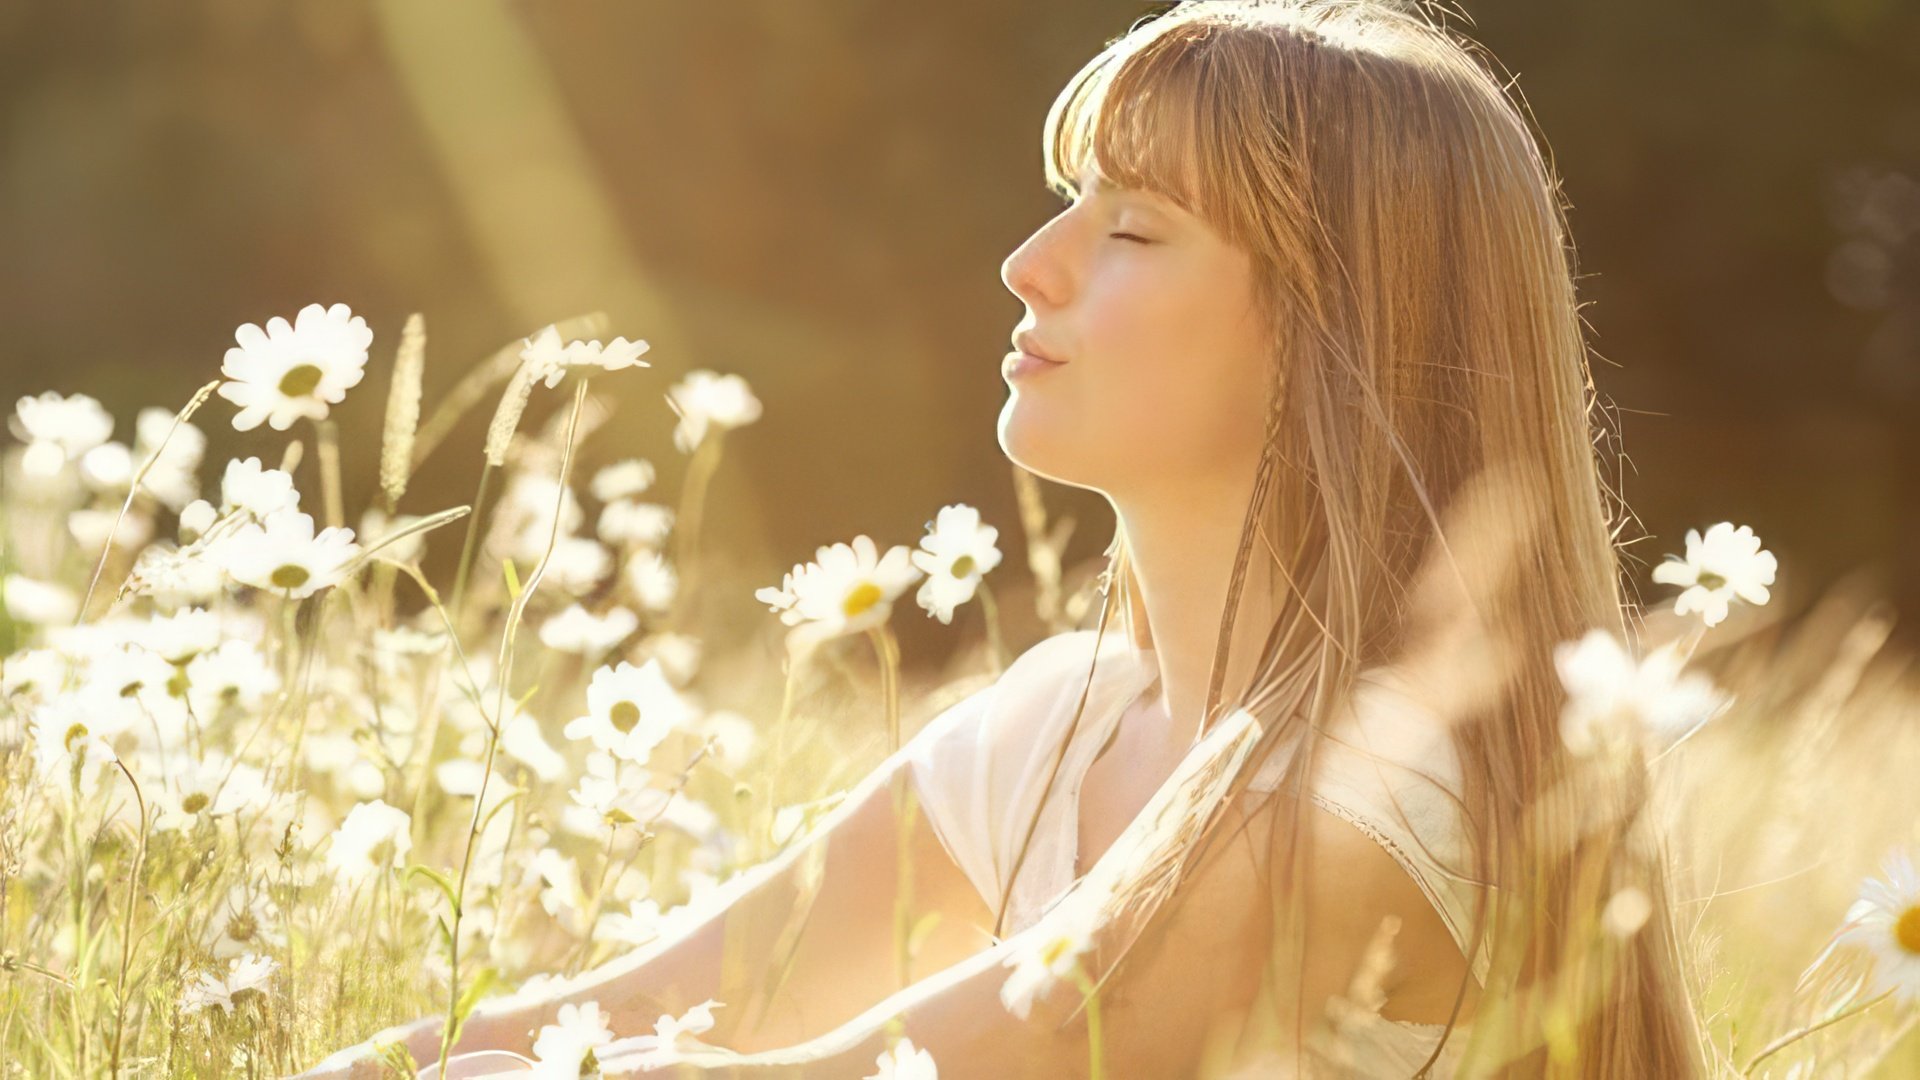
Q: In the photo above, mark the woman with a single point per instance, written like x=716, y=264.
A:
x=1308, y=322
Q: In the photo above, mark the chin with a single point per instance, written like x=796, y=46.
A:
x=1038, y=445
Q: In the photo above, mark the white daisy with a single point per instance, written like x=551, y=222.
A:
x=248, y=921
x=34, y=673
x=284, y=373
x=231, y=675
x=846, y=589
x=1885, y=920
x=562, y=1047
x=652, y=579
x=1051, y=952
x=259, y=491
x=956, y=552
x=182, y=635
x=284, y=555
x=552, y=360
x=617, y=790
x=903, y=1062
x=630, y=710
x=1724, y=564
x=1614, y=700
x=214, y=787
x=628, y=522
x=247, y=973
x=577, y=630
x=708, y=400
x=374, y=836
x=577, y=565
x=622, y=479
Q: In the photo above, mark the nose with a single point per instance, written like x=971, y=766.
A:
x=1033, y=272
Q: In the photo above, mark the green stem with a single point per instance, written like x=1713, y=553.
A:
x=1797, y=1034
x=467, y=546
x=1096, y=1051
x=504, y=667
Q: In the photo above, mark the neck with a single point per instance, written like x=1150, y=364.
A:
x=1183, y=552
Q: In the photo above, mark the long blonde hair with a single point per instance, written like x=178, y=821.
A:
x=1433, y=433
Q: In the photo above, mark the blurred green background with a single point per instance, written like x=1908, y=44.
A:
x=817, y=195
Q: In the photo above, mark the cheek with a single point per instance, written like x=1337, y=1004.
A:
x=1181, y=387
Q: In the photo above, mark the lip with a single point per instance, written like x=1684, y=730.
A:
x=1029, y=345
x=1021, y=365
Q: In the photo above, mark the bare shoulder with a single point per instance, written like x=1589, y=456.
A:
x=1355, y=890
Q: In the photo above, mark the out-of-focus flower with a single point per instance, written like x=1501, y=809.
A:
x=232, y=674
x=617, y=790
x=1726, y=563
x=551, y=360
x=577, y=630
x=561, y=1050
x=652, y=579
x=174, y=476
x=50, y=422
x=287, y=372
x=630, y=710
x=1614, y=700
x=706, y=400
x=846, y=589
x=622, y=480
x=42, y=603
x=1050, y=954
x=374, y=836
x=672, y=1036
x=639, y=924
x=182, y=635
x=955, y=554
x=578, y=563
x=1885, y=920
x=283, y=554
x=902, y=1061
x=628, y=522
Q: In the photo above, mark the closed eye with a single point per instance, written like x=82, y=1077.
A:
x=1130, y=236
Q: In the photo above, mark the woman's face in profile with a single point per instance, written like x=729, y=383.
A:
x=1162, y=377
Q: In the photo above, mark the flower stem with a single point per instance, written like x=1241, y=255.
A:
x=1096, y=1051
x=504, y=667
x=467, y=546
x=1797, y=1034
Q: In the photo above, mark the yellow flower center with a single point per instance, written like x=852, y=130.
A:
x=194, y=803
x=1055, y=949
x=1710, y=580
x=963, y=566
x=1907, y=930
x=623, y=716
x=290, y=576
x=300, y=380
x=860, y=598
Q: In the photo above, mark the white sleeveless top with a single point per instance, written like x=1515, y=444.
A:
x=981, y=766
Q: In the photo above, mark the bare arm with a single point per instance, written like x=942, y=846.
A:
x=826, y=905
x=1187, y=985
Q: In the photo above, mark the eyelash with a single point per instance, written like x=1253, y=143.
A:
x=1130, y=236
